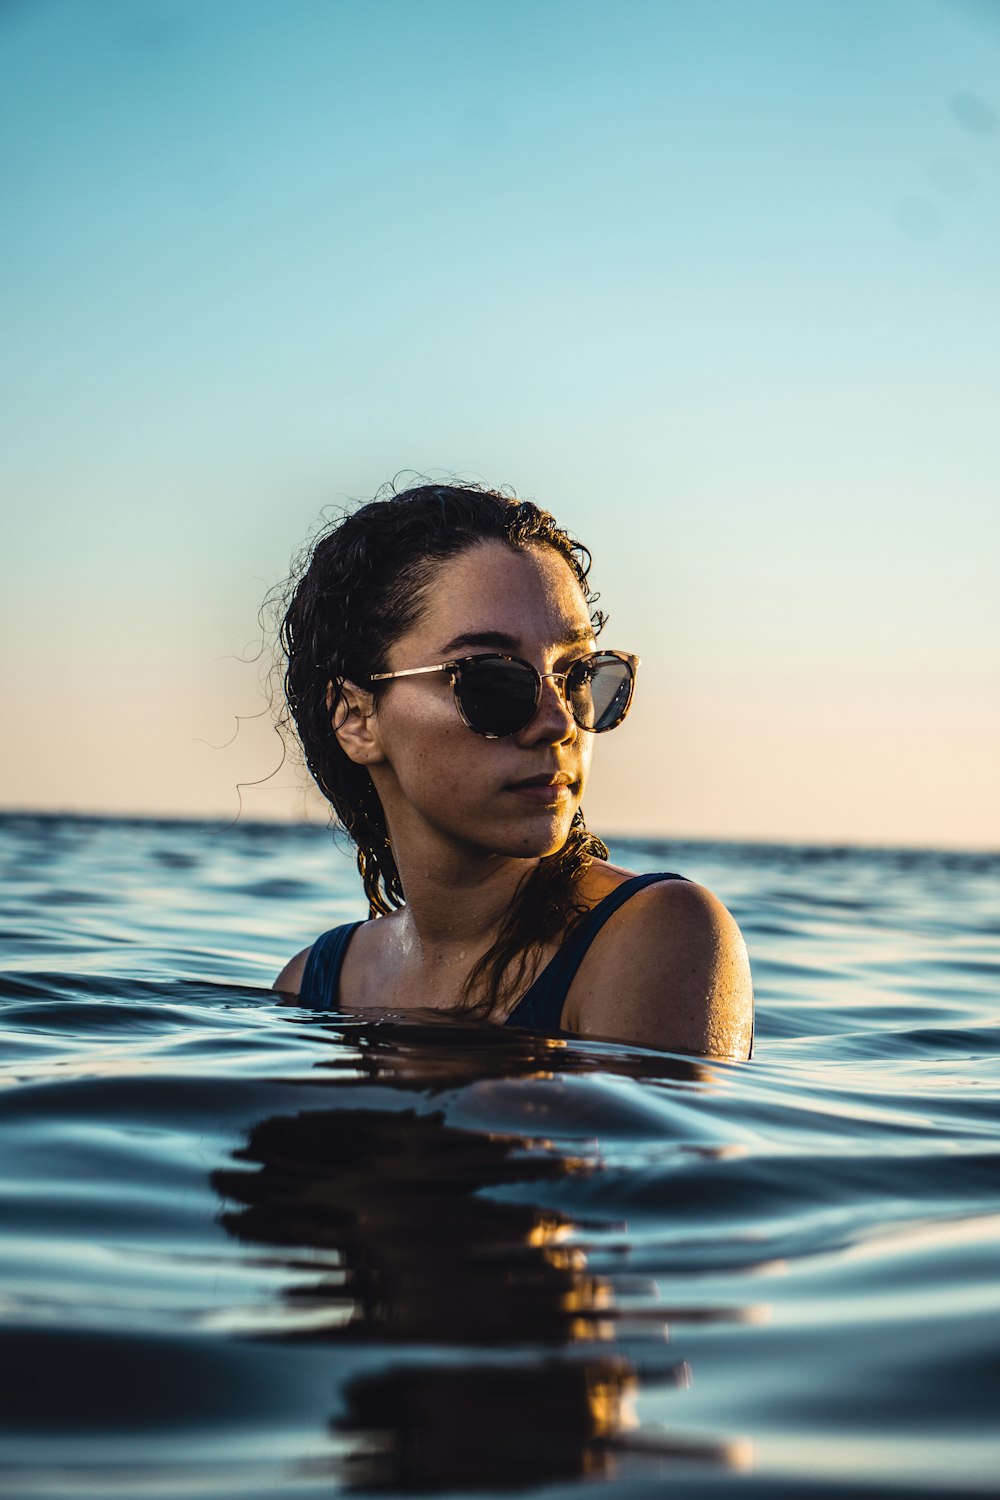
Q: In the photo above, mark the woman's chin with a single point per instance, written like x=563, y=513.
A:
x=539, y=836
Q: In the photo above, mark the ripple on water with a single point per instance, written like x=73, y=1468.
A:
x=252, y=1249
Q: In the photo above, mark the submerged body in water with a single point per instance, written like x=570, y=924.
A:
x=255, y=1248
x=545, y=1005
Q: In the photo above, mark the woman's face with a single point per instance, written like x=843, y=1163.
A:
x=437, y=777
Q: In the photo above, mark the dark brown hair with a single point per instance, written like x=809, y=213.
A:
x=361, y=587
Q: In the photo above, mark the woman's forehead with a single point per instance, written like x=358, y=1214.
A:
x=517, y=592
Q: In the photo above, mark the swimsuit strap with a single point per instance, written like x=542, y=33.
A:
x=321, y=976
x=540, y=1008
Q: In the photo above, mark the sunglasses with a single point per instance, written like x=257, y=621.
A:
x=499, y=695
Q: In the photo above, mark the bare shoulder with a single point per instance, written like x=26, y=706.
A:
x=289, y=981
x=669, y=969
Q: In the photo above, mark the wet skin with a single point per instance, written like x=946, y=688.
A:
x=469, y=817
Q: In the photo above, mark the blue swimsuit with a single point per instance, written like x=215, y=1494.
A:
x=539, y=1009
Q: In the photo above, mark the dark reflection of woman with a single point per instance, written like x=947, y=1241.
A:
x=498, y=1359
x=445, y=680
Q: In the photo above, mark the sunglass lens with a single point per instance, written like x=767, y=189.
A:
x=497, y=697
x=600, y=692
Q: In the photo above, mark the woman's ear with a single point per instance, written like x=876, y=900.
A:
x=354, y=723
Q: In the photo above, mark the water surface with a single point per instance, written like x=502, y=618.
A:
x=248, y=1249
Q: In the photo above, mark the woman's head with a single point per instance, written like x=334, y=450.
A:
x=370, y=582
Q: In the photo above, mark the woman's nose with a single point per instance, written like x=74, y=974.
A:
x=552, y=720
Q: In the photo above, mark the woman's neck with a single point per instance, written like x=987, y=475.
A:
x=455, y=905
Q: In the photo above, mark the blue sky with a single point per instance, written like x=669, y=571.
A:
x=715, y=281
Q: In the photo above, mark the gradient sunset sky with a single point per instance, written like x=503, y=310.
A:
x=717, y=281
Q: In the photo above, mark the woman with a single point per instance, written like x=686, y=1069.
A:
x=445, y=681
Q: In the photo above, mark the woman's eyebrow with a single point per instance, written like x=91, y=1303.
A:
x=499, y=640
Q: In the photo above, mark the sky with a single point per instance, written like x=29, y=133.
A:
x=716, y=281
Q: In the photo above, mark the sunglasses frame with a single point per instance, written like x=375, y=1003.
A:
x=454, y=670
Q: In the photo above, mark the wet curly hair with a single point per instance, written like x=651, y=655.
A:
x=361, y=585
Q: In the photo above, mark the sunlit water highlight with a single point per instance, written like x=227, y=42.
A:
x=252, y=1250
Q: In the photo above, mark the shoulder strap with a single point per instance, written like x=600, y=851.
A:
x=540, y=1008
x=321, y=976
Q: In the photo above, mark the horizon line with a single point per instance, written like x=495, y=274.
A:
x=825, y=844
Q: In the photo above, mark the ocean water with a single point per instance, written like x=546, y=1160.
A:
x=252, y=1250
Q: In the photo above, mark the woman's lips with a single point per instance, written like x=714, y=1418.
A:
x=546, y=791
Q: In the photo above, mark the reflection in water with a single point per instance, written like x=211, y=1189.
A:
x=392, y=1241
x=488, y=1424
